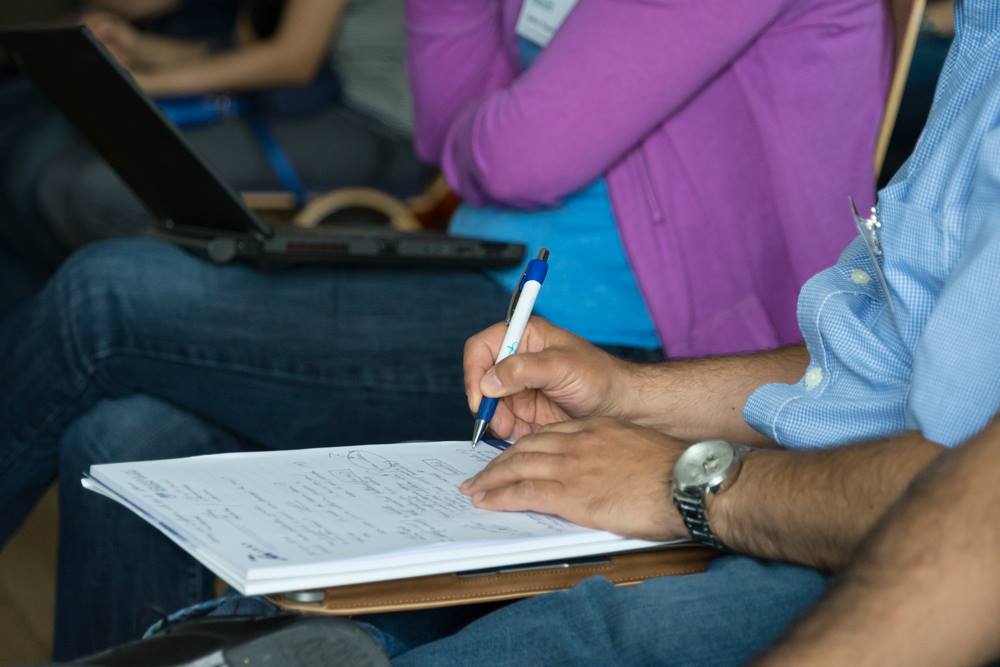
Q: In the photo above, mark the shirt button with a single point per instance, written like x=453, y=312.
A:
x=813, y=377
x=860, y=277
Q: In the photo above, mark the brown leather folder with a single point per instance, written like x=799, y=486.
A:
x=444, y=590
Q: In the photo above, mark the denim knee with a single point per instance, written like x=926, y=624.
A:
x=103, y=264
x=136, y=428
x=102, y=293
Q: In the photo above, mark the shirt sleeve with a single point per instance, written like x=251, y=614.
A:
x=956, y=364
x=614, y=71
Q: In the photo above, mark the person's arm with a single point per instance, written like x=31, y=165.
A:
x=925, y=588
x=557, y=376
x=810, y=508
x=813, y=508
x=134, y=10
x=612, y=73
x=137, y=50
x=290, y=57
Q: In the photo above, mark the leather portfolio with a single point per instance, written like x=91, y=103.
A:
x=443, y=590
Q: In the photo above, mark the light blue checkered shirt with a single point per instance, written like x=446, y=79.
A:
x=931, y=361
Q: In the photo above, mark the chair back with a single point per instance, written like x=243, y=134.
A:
x=906, y=18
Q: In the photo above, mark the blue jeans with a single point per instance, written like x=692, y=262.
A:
x=136, y=349
x=722, y=617
x=30, y=134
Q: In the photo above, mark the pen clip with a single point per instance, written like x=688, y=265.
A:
x=868, y=227
x=543, y=257
x=514, y=297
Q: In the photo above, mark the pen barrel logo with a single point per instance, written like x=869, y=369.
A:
x=511, y=348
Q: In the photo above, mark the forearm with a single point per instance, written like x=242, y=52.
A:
x=814, y=507
x=924, y=589
x=153, y=52
x=290, y=57
x=254, y=67
x=704, y=398
x=134, y=9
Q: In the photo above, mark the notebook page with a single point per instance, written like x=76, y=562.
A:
x=349, y=509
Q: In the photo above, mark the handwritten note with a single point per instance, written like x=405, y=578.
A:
x=358, y=512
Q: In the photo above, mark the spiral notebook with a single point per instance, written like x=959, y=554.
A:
x=274, y=522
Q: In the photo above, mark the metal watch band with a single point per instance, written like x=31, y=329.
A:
x=692, y=510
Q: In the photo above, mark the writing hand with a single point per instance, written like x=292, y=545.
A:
x=555, y=376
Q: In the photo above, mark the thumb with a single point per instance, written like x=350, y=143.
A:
x=529, y=370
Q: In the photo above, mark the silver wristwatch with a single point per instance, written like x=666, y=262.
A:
x=705, y=467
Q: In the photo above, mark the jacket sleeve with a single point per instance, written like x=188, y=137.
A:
x=614, y=72
x=455, y=58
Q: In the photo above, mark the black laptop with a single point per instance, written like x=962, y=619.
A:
x=192, y=207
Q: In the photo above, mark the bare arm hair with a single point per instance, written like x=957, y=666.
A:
x=814, y=507
x=704, y=398
x=924, y=588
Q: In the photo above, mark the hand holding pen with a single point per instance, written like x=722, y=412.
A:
x=554, y=377
x=518, y=313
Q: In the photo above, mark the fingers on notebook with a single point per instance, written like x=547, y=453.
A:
x=525, y=495
x=526, y=477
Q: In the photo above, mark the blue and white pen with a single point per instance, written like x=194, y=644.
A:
x=518, y=314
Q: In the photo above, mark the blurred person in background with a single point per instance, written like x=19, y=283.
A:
x=325, y=79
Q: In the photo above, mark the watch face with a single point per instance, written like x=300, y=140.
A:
x=704, y=465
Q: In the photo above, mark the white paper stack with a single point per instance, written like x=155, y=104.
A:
x=294, y=520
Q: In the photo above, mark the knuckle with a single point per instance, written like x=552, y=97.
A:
x=525, y=489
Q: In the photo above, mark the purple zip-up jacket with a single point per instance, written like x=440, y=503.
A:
x=731, y=134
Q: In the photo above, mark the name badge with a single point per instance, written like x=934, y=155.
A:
x=540, y=19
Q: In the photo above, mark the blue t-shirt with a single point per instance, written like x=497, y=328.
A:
x=590, y=289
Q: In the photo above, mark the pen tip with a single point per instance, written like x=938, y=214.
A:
x=478, y=429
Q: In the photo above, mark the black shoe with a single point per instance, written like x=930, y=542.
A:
x=278, y=641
